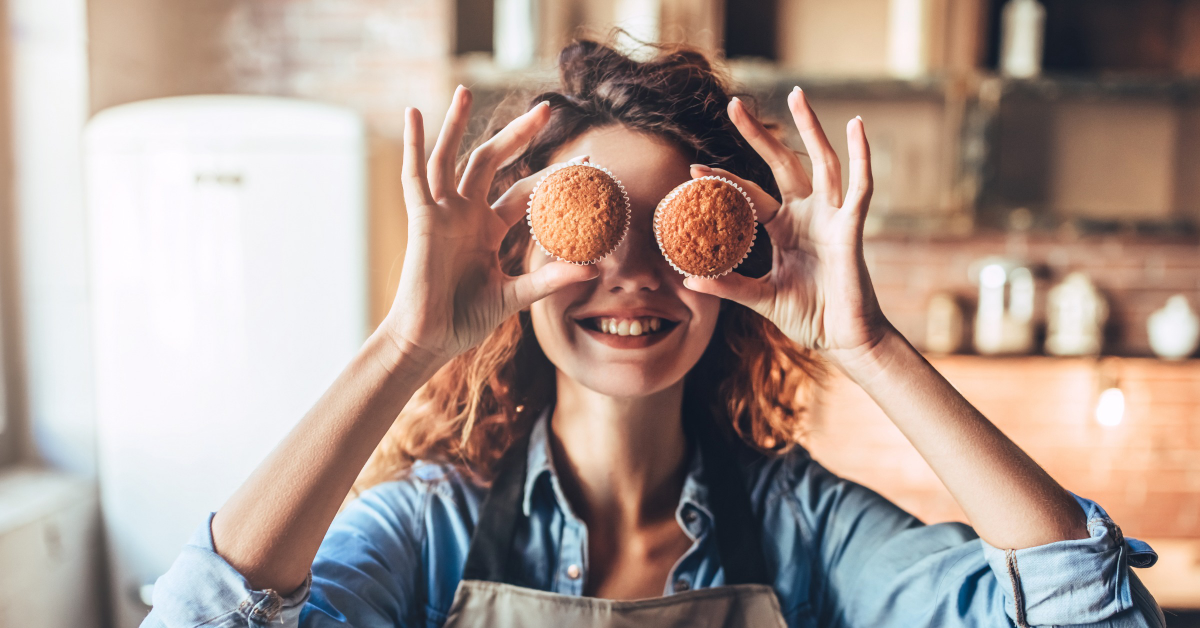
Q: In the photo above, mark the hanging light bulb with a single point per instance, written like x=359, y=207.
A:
x=1110, y=403
x=1110, y=407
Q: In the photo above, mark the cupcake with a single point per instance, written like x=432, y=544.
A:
x=705, y=227
x=579, y=213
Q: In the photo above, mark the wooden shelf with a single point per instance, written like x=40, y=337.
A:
x=1177, y=90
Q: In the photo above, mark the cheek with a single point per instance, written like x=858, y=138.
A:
x=706, y=309
x=549, y=325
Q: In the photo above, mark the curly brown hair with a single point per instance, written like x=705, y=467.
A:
x=751, y=378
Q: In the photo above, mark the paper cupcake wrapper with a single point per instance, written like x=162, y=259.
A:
x=624, y=195
x=669, y=197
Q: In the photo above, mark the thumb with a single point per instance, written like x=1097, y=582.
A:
x=753, y=293
x=521, y=291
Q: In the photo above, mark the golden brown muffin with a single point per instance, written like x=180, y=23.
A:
x=579, y=213
x=705, y=227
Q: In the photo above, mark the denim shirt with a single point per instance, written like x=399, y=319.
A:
x=842, y=555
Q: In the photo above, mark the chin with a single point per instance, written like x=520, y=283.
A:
x=623, y=380
x=624, y=350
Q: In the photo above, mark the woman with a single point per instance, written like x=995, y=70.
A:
x=545, y=472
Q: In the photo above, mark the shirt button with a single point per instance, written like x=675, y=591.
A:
x=573, y=572
x=682, y=585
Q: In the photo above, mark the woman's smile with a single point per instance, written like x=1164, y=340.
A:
x=627, y=328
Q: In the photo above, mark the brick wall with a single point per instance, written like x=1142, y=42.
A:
x=1136, y=274
x=375, y=56
x=1145, y=471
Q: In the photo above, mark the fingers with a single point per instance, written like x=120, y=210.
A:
x=441, y=162
x=524, y=290
x=785, y=165
x=482, y=165
x=765, y=207
x=412, y=171
x=512, y=205
x=755, y=294
x=858, y=196
x=827, y=172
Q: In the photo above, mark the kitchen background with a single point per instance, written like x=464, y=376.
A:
x=1015, y=143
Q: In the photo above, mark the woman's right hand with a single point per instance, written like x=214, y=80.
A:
x=452, y=291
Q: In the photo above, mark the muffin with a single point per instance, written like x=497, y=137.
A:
x=705, y=227
x=579, y=213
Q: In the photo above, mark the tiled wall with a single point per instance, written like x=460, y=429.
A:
x=376, y=56
x=1136, y=274
x=1144, y=471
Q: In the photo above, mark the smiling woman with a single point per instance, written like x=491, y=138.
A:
x=650, y=121
x=556, y=444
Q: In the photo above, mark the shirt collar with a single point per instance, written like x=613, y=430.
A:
x=538, y=461
x=539, y=464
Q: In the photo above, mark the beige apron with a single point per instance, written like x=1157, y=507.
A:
x=485, y=597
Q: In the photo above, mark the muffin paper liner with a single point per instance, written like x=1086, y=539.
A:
x=624, y=195
x=669, y=197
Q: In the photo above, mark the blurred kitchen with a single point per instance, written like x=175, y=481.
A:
x=201, y=220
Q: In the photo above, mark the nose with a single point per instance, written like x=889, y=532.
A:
x=635, y=265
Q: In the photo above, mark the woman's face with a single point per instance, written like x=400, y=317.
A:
x=579, y=328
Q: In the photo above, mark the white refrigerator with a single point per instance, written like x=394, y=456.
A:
x=229, y=264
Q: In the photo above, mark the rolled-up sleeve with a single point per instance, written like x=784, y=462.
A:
x=880, y=566
x=1075, y=581
x=201, y=589
x=367, y=574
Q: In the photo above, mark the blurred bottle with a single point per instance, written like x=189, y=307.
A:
x=1004, y=318
x=1075, y=317
x=1022, y=31
x=1174, y=329
x=908, y=38
x=516, y=33
x=943, y=324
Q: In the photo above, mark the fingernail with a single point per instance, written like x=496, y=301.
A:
x=735, y=99
x=580, y=158
x=797, y=89
x=859, y=118
x=701, y=167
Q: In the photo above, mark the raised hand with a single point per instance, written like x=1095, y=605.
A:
x=452, y=291
x=818, y=291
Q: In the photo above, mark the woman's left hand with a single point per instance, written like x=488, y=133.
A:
x=818, y=291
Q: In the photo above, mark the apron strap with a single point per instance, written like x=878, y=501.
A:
x=738, y=531
x=487, y=556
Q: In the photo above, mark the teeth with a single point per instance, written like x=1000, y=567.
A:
x=631, y=326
